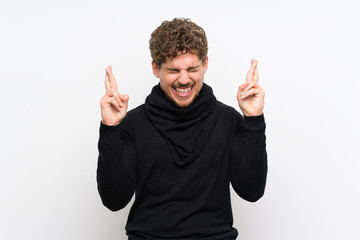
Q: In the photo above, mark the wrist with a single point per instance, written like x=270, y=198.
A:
x=252, y=114
x=109, y=124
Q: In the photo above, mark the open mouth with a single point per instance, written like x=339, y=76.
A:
x=183, y=90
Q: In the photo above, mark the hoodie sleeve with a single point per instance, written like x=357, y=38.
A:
x=248, y=166
x=116, y=165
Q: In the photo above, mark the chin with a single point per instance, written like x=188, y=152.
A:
x=182, y=105
x=185, y=103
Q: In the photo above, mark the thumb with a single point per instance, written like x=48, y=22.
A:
x=125, y=99
x=241, y=90
x=243, y=86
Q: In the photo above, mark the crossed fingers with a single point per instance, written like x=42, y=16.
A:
x=251, y=87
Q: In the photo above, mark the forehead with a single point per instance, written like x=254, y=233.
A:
x=182, y=61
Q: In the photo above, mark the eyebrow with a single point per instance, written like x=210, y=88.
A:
x=176, y=69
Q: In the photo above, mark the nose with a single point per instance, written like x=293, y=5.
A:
x=184, y=77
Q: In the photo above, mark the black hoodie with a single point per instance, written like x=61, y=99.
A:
x=179, y=163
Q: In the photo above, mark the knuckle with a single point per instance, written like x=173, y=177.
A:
x=109, y=93
x=103, y=99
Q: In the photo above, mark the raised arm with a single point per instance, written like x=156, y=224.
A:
x=248, y=167
x=248, y=170
x=116, y=162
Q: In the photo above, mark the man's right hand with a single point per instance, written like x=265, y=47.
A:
x=113, y=105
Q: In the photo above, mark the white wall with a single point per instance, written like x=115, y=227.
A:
x=52, y=59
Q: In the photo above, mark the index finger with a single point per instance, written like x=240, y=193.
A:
x=113, y=84
x=250, y=74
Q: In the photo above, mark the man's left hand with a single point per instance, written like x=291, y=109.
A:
x=250, y=95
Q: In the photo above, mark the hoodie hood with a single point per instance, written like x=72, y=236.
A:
x=186, y=130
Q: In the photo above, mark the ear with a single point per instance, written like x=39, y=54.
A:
x=205, y=64
x=155, y=69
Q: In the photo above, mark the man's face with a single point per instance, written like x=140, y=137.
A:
x=181, y=78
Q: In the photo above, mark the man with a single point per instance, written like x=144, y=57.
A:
x=180, y=150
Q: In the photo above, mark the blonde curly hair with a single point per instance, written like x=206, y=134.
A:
x=176, y=37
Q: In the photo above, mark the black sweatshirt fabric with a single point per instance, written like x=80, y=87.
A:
x=180, y=163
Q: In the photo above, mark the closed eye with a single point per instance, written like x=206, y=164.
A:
x=172, y=70
x=193, y=69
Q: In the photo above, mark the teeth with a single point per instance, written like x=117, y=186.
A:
x=182, y=90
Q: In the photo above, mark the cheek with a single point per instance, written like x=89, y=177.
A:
x=196, y=76
x=167, y=80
